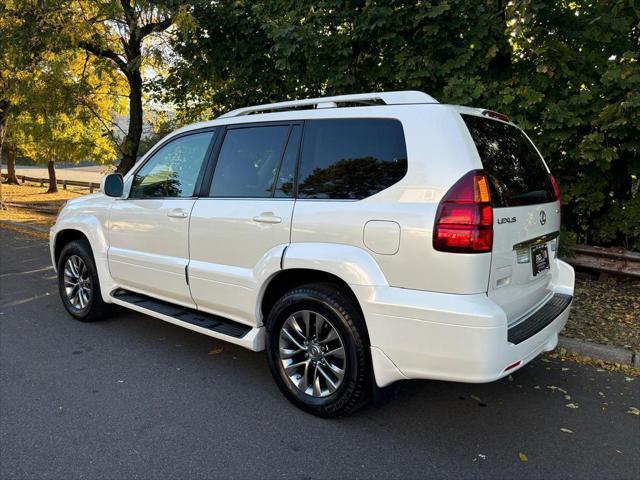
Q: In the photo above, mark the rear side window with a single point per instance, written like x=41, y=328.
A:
x=351, y=159
x=517, y=175
x=248, y=161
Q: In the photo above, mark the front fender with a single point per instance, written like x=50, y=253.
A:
x=90, y=218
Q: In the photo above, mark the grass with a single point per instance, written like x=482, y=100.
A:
x=32, y=205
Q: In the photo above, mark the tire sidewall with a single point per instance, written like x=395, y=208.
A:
x=309, y=299
x=77, y=248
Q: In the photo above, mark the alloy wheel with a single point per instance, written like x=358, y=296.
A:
x=77, y=282
x=312, y=353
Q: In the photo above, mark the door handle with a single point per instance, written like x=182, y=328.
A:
x=177, y=213
x=267, y=217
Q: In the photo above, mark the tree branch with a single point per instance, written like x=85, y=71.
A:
x=155, y=27
x=104, y=53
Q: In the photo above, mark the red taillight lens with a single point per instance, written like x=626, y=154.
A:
x=556, y=193
x=556, y=190
x=464, y=221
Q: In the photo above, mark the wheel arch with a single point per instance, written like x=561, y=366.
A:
x=65, y=236
x=287, y=279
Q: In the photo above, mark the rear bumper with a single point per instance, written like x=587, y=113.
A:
x=463, y=338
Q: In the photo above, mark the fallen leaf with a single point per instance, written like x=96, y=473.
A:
x=633, y=411
x=571, y=405
x=523, y=457
x=216, y=351
x=566, y=430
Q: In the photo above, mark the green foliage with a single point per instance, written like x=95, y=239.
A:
x=567, y=72
x=55, y=94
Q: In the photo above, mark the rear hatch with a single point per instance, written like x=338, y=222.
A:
x=526, y=214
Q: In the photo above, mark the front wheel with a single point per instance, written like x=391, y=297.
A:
x=318, y=350
x=78, y=282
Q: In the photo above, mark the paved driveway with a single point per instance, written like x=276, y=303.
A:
x=134, y=397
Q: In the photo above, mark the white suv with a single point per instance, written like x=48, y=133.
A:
x=360, y=240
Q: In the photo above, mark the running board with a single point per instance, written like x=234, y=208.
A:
x=208, y=324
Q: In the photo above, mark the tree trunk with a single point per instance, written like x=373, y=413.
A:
x=11, y=165
x=131, y=143
x=4, y=105
x=53, y=184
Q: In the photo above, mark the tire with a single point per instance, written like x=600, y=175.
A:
x=330, y=396
x=76, y=256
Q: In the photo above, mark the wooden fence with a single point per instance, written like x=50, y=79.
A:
x=92, y=186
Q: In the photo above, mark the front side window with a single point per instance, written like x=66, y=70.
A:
x=351, y=159
x=248, y=161
x=173, y=170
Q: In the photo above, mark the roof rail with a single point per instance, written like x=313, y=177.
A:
x=389, y=98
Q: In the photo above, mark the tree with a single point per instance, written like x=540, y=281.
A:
x=28, y=29
x=68, y=98
x=567, y=72
x=119, y=32
x=57, y=96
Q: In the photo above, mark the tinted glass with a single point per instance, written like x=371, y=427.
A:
x=287, y=174
x=516, y=173
x=352, y=158
x=173, y=170
x=248, y=162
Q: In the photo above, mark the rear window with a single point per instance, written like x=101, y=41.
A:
x=517, y=175
x=351, y=159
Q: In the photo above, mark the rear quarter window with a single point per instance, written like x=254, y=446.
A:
x=351, y=159
x=517, y=175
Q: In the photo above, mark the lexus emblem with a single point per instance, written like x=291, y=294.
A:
x=543, y=217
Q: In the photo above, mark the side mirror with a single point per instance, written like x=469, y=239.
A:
x=113, y=185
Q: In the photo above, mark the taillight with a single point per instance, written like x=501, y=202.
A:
x=556, y=190
x=464, y=220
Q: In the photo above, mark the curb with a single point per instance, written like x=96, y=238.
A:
x=35, y=228
x=600, y=352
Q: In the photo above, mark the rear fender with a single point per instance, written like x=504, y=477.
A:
x=352, y=264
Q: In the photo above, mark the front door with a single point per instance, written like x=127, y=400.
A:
x=243, y=225
x=149, y=230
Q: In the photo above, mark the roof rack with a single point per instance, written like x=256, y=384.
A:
x=388, y=98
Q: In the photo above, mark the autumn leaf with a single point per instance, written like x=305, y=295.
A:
x=523, y=457
x=216, y=351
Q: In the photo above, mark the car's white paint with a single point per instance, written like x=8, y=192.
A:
x=235, y=245
x=429, y=314
x=149, y=247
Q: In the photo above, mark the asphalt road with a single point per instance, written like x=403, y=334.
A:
x=134, y=397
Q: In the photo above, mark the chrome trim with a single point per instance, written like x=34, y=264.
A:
x=547, y=237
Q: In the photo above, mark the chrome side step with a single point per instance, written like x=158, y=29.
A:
x=211, y=325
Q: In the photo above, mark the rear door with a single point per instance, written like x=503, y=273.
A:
x=526, y=215
x=244, y=219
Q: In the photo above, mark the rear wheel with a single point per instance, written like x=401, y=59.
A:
x=78, y=282
x=318, y=350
